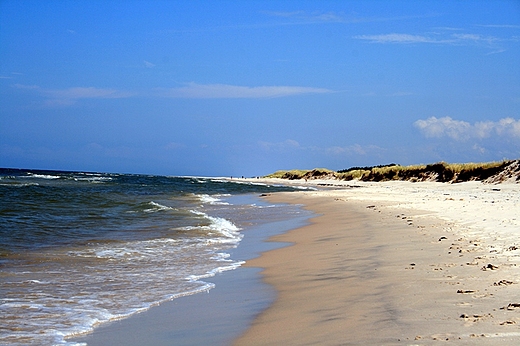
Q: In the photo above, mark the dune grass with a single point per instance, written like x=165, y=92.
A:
x=300, y=173
x=440, y=171
x=283, y=173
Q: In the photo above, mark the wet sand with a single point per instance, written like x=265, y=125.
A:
x=396, y=263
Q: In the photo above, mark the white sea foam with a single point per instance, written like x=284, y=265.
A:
x=38, y=282
x=94, y=179
x=200, y=181
x=42, y=176
x=220, y=180
x=211, y=273
x=16, y=184
x=224, y=227
x=213, y=200
x=245, y=182
x=299, y=187
x=157, y=207
x=146, y=271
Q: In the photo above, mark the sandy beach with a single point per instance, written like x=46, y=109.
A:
x=395, y=263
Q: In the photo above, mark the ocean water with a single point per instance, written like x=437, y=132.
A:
x=79, y=249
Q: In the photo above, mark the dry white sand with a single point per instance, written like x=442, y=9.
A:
x=396, y=263
x=490, y=213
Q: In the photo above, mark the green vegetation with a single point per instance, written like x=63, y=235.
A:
x=302, y=174
x=441, y=171
x=368, y=168
x=285, y=174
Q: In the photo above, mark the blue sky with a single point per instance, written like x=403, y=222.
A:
x=221, y=88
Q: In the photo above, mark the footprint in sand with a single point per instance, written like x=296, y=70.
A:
x=477, y=335
x=442, y=337
x=511, y=306
x=503, y=283
x=489, y=267
x=475, y=317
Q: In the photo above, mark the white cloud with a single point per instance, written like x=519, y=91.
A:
x=448, y=28
x=303, y=17
x=496, y=51
x=148, y=64
x=85, y=93
x=395, y=38
x=63, y=97
x=474, y=38
x=468, y=37
x=355, y=149
x=433, y=127
x=27, y=87
x=316, y=17
x=507, y=26
x=461, y=130
x=444, y=37
x=69, y=96
x=193, y=90
x=479, y=149
x=508, y=126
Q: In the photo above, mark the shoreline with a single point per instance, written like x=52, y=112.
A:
x=214, y=317
x=395, y=263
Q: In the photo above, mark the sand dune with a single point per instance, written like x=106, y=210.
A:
x=487, y=172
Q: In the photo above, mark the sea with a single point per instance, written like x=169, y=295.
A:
x=79, y=249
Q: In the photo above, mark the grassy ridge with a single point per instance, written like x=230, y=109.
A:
x=303, y=174
x=441, y=171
